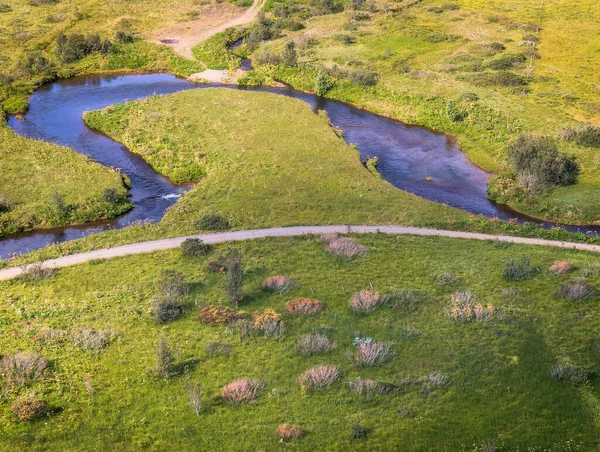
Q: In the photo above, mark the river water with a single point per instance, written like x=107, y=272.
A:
x=408, y=155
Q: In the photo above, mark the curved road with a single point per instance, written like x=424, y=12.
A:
x=221, y=237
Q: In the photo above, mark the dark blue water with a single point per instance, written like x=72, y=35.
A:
x=408, y=155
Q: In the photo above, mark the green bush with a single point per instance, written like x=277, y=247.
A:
x=195, y=247
x=500, y=78
x=166, y=309
x=518, y=269
x=213, y=222
x=586, y=135
x=77, y=46
x=363, y=77
x=507, y=61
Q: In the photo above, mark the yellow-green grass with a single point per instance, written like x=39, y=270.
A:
x=563, y=90
x=501, y=392
x=35, y=175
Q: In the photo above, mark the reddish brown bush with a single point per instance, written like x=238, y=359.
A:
x=277, y=283
x=29, y=408
x=288, y=431
x=242, y=391
x=366, y=301
x=369, y=353
x=220, y=315
x=561, y=267
x=304, y=306
x=312, y=344
x=319, y=377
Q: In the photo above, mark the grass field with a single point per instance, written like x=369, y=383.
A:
x=44, y=185
x=498, y=392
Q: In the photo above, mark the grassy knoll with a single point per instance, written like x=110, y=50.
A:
x=498, y=390
x=44, y=185
x=464, y=67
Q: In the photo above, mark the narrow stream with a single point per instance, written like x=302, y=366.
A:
x=408, y=155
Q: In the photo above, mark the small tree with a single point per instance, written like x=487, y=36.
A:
x=322, y=84
x=290, y=57
x=234, y=280
x=165, y=359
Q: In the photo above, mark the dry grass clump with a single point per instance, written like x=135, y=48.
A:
x=366, y=301
x=343, y=247
x=304, y=306
x=362, y=387
x=369, y=353
x=22, y=368
x=435, y=381
x=217, y=348
x=319, y=377
x=314, y=344
x=561, y=267
x=288, y=431
x=37, y=272
x=465, y=308
x=29, y=408
x=575, y=290
x=277, y=284
x=220, y=315
x=94, y=340
x=242, y=391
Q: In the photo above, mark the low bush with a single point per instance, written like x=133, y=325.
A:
x=77, y=46
x=366, y=301
x=37, y=272
x=277, y=284
x=561, y=267
x=5, y=8
x=23, y=368
x=575, y=290
x=94, y=340
x=357, y=431
x=463, y=307
x=269, y=322
x=538, y=163
x=171, y=283
x=213, y=222
x=304, y=306
x=500, y=78
x=220, y=315
x=345, y=248
x=288, y=431
x=314, y=344
x=446, y=280
x=363, y=388
x=506, y=61
x=166, y=309
x=363, y=77
x=369, y=353
x=165, y=360
x=569, y=372
x=511, y=294
x=5, y=204
x=518, y=269
x=586, y=135
x=29, y=408
x=217, y=348
x=319, y=377
x=242, y=391
x=195, y=247
x=406, y=300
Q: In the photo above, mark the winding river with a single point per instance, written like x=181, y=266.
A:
x=408, y=155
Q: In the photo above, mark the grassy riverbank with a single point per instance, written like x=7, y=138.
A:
x=452, y=384
x=465, y=68
x=43, y=185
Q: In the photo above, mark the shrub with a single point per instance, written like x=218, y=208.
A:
x=23, y=368
x=123, y=37
x=76, y=46
x=507, y=61
x=370, y=353
x=366, y=301
x=575, y=290
x=29, y=408
x=446, y=279
x=218, y=263
x=5, y=8
x=165, y=359
x=586, y=135
x=357, y=431
x=409, y=332
x=94, y=340
x=37, y=272
x=242, y=391
x=511, y=294
x=111, y=195
x=234, y=280
x=290, y=57
x=289, y=431
x=313, y=344
x=363, y=77
x=304, y=306
x=561, y=267
x=166, y=309
x=213, y=222
x=269, y=322
x=518, y=269
x=322, y=84
x=538, y=163
x=277, y=284
x=220, y=315
x=362, y=387
x=574, y=374
x=319, y=377
x=217, y=348
x=500, y=78
x=406, y=300
x=171, y=283
x=194, y=391
x=464, y=308
x=345, y=248
x=195, y=247
x=5, y=204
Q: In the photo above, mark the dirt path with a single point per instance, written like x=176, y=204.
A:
x=167, y=244
x=182, y=38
